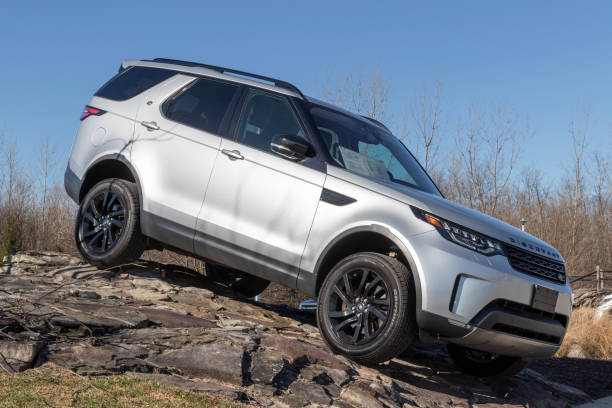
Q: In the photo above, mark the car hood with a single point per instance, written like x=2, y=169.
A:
x=488, y=225
x=461, y=215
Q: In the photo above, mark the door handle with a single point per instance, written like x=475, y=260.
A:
x=150, y=125
x=232, y=154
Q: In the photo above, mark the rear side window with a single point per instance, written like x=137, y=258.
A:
x=202, y=106
x=133, y=81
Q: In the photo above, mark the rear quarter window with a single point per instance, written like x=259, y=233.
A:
x=132, y=82
x=202, y=106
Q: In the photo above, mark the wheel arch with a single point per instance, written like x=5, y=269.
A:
x=370, y=238
x=110, y=166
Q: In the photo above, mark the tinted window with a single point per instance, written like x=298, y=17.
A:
x=202, y=106
x=369, y=150
x=265, y=116
x=133, y=81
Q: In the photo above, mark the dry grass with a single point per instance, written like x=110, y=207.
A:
x=593, y=336
x=61, y=388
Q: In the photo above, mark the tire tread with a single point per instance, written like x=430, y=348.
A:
x=401, y=334
x=134, y=244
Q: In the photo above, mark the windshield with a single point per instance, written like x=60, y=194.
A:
x=369, y=150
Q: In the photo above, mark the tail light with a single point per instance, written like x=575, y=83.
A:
x=90, y=110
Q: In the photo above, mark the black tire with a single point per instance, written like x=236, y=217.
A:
x=483, y=364
x=247, y=285
x=107, y=228
x=392, y=297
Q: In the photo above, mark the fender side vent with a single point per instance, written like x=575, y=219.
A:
x=334, y=198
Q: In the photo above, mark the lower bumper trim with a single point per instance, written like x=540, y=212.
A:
x=505, y=344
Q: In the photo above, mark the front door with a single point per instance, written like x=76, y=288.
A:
x=259, y=206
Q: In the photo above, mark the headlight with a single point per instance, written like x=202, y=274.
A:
x=461, y=235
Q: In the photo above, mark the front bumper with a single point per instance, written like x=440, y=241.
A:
x=512, y=329
x=483, y=303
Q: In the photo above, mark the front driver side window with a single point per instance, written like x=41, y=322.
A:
x=265, y=116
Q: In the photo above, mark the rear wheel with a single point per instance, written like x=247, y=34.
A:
x=241, y=282
x=107, y=229
x=483, y=364
x=366, y=308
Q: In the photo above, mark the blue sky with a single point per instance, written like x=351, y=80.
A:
x=543, y=58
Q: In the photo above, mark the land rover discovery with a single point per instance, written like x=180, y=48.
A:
x=266, y=184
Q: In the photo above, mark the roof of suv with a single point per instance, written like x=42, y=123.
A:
x=226, y=74
x=242, y=77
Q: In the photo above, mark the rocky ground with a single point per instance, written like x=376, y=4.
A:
x=170, y=325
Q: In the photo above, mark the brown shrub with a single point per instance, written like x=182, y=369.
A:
x=594, y=337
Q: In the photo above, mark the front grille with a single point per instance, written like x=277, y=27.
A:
x=532, y=264
x=518, y=331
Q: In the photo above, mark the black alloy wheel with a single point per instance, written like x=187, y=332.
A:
x=107, y=230
x=103, y=222
x=359, y=306
x=366, y=308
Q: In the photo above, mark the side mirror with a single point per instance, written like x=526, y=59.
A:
x=292, y=147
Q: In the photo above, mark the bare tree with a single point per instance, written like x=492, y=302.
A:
x=602, y=182
x=11, y=170
x=578, y=131
x=47, y=159
x=2, y=163
x=362, y=92
x=488, y=145
x=602, y=211
x=426, y=121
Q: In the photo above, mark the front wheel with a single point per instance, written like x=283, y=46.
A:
x=482, y=364
x=107, y=230
x=366, y=308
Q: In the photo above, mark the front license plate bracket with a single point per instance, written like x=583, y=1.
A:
x=544, y=299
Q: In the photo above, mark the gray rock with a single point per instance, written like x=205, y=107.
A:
x=173, y=319
x=218, y=361
x=301, y=394
x=96, y=316
x=85, y=294
x=106, y=359
x=295, y=349
x=42, y=259
x=340, y=377
x=152, y=284
x=265, y=367
x=19, y=356
x=360, y=394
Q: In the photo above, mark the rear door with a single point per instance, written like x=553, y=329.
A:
x=259, y=206
x=176, y=141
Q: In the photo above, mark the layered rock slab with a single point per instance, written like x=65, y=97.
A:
x=172, y=326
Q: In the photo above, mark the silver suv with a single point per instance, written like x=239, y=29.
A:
x=266, y=184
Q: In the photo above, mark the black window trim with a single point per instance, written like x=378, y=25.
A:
x=117, y=75
x=125, y=71
x=224, y=125
x=292, y=106
x=331, y=162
